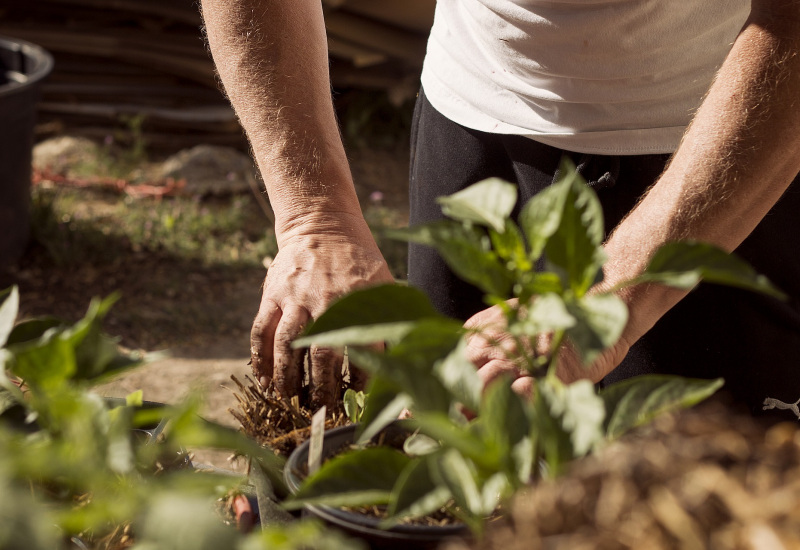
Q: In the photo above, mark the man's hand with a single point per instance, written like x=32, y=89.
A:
x=308, y=273
x=272, y=58
x=495, y=353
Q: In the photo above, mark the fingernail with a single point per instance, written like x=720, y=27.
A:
x=263, y=381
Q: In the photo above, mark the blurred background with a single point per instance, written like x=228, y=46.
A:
x=141, y=181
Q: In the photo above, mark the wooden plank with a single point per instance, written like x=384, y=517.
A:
x=184, y=12
x=357, y=55
x=197, y=69
x=412, y=15
x=370, y=34
x=205, y=115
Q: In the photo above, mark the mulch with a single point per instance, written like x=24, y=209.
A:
x=704, y=478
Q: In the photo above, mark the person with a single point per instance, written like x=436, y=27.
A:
x=682, y=115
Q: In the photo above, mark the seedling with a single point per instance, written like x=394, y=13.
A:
x=474, y=465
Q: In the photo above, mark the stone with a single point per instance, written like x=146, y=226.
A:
x=211, y=170
x=66, y=154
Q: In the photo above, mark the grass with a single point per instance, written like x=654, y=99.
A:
x=94, y=226
x=189, y=269
x=76, y=226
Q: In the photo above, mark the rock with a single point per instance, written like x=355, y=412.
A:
x=211, y=170
x=66, y=154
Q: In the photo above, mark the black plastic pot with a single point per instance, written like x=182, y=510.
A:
x=22, y=68
x=359, y=525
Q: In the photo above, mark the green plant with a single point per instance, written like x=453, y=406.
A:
x=473, y=465
x=354, y=404
x=72, y=468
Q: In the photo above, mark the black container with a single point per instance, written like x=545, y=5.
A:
x=22, y=67
x=359, y=525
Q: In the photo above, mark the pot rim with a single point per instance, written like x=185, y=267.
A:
x=32, y=53
x=353, y=520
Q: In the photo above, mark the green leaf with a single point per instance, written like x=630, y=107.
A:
x=600, y=320
x=488, y=202
x=135, y=399
x=426, y=392
x=182, y=522
x=96, y=354
x=532, y=283
x=187, y=429
x=305, y=534
x=565, y=221
x=370, y=315
x=575, y=246
x=418, y=444
x=416, y=494
x=638, y=400
x=510, y=246
x=377, y=416
x=45, y=362
x=440, y=427
x=459, y=376
x=380, y=392
x=547, y=313
x=684, y=264
x=359, y=478
x=524, y=457
x=579, y=411
x=120, y=448
x=351, y=406
x=32, y=329
x=429, y=341
x=493, y=491
x=541, y=217
x=504, y=418
x=27, y=522
x=460, y=477
x=379, y=304
x=466, y=250
x=8, y=312
x=357, y=336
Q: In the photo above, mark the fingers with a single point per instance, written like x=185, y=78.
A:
x=325, y=376
x=288, y=362
x=498, y=368
x=262, y=341
x=524, y=386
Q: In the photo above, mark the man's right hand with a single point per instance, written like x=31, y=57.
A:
x=272, y=57
x=310, y=271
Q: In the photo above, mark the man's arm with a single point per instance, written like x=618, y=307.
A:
x=735, y=161
x=272, y=58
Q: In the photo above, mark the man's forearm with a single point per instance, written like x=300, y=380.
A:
x=272, y=58
x=735, y=161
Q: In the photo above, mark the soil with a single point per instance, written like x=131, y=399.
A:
x=201, y=313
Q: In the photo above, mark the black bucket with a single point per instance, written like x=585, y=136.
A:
x=22, y=67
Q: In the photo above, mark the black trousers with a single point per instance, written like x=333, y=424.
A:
x=751, y=340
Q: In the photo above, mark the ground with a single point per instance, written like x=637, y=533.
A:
x=188, y=270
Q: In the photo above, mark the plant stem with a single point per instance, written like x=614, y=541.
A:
x=555, y=347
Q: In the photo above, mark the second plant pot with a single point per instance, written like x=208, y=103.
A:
x=359, y=525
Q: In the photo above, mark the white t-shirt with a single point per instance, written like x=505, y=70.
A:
x=591, y=76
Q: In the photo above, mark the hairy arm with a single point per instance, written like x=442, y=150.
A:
x=272, y=58
x=735, y=161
